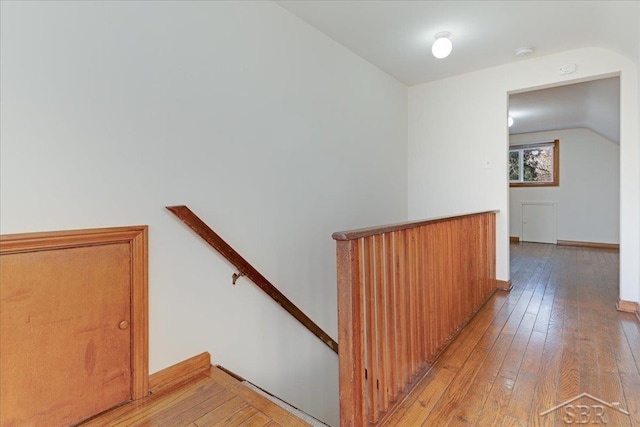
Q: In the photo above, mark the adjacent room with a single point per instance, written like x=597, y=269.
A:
x=581, y=206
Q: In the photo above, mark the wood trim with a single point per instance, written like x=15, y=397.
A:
x=180, y=372
x=532, y=184
x=31, y=242
x=514, y=239
x=140, y=315
x=136, y=236
x=629, y=307
x=556, y=164
x=215, y=241
x=595, y=245
x=504, y=285
x=372, y=231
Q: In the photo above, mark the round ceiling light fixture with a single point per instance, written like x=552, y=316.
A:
x=442, y=46
x=510, y=121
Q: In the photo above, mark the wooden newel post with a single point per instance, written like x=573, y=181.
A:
x=350, y=334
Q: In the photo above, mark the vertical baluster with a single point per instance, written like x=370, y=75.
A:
x=452, y=277
x=381, y=333
x=415, y=301
x=447, y=281
x=411, y=335
x=483, y=244
x=436, y=315
x=483, y=236
x=399, y=319
x=438, y=269
x=478, y=287
x=491, y=251
x=467, y=243
x=432, y=315
x=476, y=262
x=457, y=255
x=486, y=286
x=482, y=268
x=401, y=283
x=423, y=307
x=392, y=308
x=487, y=236
x=433, y=283
x=407, y=306
x=460, y=251
x=370, y=329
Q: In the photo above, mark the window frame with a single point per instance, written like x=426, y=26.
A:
x=556, y=164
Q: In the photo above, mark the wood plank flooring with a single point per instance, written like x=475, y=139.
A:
x=555, y=336
x=210, y=399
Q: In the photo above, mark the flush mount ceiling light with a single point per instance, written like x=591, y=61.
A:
x=442, y=46
x=510, y=121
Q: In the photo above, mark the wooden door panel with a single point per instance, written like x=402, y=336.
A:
x=65, y=355
x=538, y=222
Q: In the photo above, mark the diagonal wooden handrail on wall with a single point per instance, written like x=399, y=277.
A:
x=212, y=238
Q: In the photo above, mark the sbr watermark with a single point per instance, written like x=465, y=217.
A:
x=593, y=413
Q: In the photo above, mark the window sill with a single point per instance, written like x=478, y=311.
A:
x=532, y=184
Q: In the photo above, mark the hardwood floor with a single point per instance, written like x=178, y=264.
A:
x=555, y=336
x=210, y=399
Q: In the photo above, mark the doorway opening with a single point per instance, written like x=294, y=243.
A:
x=583, y=209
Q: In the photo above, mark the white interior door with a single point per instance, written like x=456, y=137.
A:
x=539, y=222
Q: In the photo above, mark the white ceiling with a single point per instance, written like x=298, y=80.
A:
x=396, y=36
x=593, y=105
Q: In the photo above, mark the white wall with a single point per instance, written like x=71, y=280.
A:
x=588, y=197
x=457, y=123
x=270, y=131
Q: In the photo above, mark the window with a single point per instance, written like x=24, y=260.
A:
x=535, y=165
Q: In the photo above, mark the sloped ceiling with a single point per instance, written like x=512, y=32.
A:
x=594, y=105
x=396, y=36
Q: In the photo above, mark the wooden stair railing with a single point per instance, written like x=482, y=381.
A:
x=404, y=291
x=245, y=269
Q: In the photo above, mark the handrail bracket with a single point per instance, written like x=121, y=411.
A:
x=236, y=276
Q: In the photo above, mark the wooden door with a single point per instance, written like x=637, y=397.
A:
x=66, y=349
x=539, y=222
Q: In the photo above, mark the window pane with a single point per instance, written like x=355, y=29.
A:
x=538, y=164
x=514, y=165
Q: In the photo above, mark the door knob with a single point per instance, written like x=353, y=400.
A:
x=124, y=324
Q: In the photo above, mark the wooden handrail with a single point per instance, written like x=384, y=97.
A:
x=212, y=238
x=404, y=291
x=381, y=229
